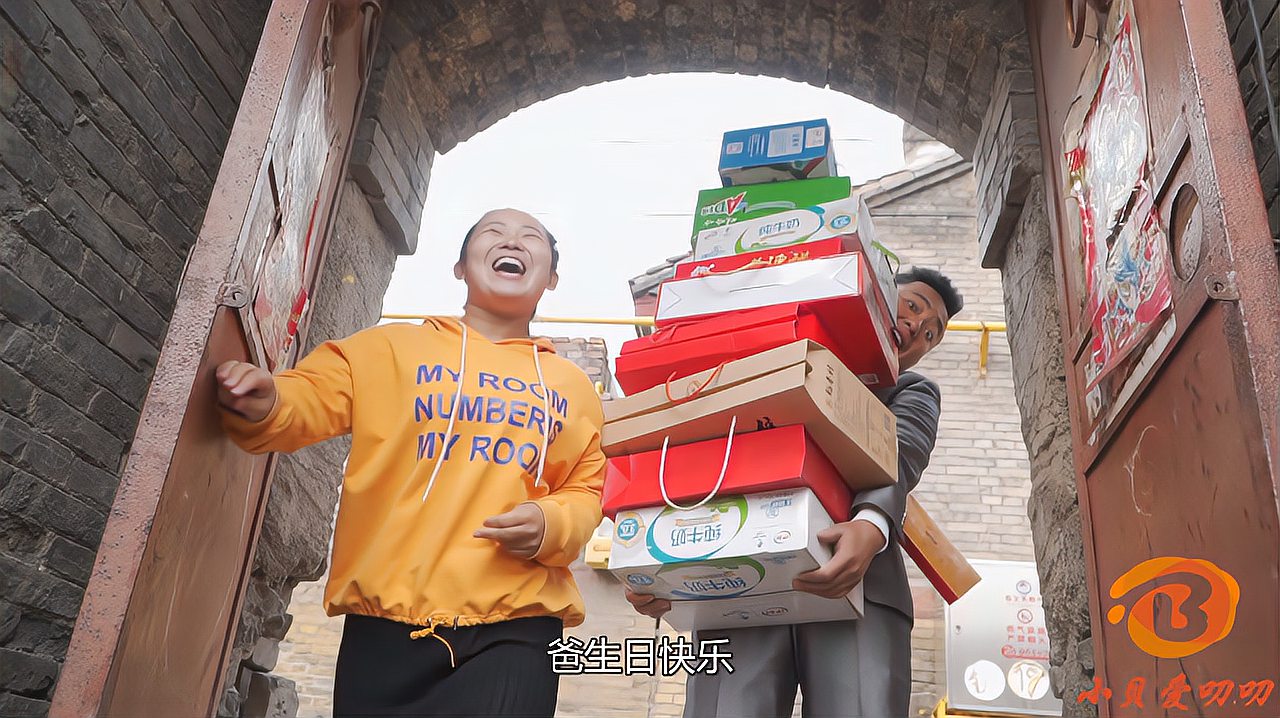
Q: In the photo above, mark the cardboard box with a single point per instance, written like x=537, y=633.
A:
x=728, y=205
x=846, y=218
x=772, y=460
x=679, y=350
x=795, y=151
x=730, y=548
x=799, y=383
x=770, y=609
x=938, y=558
x=831, y=246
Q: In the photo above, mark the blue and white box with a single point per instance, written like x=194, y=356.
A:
x=779, y=153
x=730, y=562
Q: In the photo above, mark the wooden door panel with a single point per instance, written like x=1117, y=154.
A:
x=1178, y=485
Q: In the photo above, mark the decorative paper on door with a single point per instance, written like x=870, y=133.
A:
x=281, y=298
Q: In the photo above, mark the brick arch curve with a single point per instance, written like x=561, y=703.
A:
x=447, y=70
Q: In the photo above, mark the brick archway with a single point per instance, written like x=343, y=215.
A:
x=445, y=72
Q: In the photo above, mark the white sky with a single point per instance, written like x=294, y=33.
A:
x=613, y=171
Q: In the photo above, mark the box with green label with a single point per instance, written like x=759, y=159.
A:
x=730, y=562
x=724, y=206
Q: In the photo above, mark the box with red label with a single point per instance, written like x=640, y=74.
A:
x=768, y=257
x=837, y=290
x=684, y=349
x=782, y=458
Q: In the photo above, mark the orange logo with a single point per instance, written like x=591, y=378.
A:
x=1199, y=608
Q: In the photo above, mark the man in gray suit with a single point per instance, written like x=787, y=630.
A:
x=853, y=669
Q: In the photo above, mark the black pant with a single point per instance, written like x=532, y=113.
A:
x=502, y=669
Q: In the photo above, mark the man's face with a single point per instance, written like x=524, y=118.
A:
x=507, y=265
x=922, y=320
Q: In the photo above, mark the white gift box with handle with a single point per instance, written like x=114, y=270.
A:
x=824, y=278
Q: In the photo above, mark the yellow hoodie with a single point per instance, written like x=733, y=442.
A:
x=403, y=551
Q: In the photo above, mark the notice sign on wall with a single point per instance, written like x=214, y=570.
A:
x=997, y=645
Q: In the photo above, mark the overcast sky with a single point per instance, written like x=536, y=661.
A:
x=613, y=171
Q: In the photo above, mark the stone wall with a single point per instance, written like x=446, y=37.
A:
x=1030, y=296
x=113, y=119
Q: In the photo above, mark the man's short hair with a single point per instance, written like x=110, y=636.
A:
x=940, y=284
x=555, y=251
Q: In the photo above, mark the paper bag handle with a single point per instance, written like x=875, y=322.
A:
x=697, y=390
x=724, y=467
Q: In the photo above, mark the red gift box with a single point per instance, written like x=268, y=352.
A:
x=862, y=344
x=769, y=257
x=690, y=348
x=770, y=460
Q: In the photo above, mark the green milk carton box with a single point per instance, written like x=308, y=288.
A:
x=730, y=562
x=724, y=206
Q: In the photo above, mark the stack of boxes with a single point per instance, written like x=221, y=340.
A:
x=750, y=422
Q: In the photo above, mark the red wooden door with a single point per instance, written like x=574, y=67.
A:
x=1171, y=318
x=163, y=603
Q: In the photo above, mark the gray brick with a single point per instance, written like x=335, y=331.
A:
x=89, y=226
x=159, y=293
x=180, y=44
x=100, y=362
x=48, y=370
x=41, y=632
x=36, y=79
x=9, y=616
x=19, y=157
x=16, y=344
x=36, y=501
x=23, y=447
x=123, y=42
x=69, y=560
x=71, y=427
x=58, y=287
x=124, y=298
x=121, y=215
x=115, y=416
x=43, y=231
x=27, y=586
x=19, y=535
x=16, y=706
x=26, y=674
x=23, y=306
x=112, y=166
x=133, y=346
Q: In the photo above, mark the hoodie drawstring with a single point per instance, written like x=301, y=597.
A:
x=431, y=631
x=546, y=417
x=453, y=416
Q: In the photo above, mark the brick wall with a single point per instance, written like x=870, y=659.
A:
x=1256, y=85
x=113, y=117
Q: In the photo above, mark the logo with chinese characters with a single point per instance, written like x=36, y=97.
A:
x=1203, y=599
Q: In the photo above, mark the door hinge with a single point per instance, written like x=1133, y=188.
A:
x=1223, y=287
x=233, y=294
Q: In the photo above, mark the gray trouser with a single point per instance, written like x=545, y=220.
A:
x=845, y=669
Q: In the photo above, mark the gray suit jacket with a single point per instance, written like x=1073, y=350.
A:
x=917, y=403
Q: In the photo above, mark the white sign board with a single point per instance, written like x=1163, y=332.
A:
x=997, y=645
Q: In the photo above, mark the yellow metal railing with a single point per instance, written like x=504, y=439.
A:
x=984, y=344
